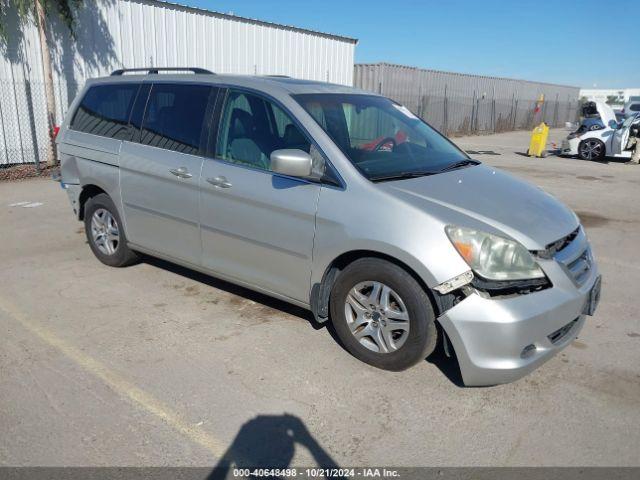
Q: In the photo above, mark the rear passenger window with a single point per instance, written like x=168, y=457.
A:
x=105, y=109
x=174, y=118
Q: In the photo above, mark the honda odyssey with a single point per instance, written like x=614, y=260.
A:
x=335, y=199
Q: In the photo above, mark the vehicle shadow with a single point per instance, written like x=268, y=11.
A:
x=447, y=365
x=234, y=290
x=604, y=161
x=269, y=442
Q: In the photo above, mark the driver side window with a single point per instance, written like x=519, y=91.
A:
x=252, y=127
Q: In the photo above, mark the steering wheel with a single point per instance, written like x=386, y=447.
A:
x=384, y=142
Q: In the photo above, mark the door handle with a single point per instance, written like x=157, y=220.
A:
x=220, y=182
x=181, y=172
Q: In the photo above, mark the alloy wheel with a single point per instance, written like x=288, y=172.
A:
x=104, y=231
x=377, y=316
x=591, y=149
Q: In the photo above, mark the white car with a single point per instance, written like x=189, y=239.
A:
x=599, y=134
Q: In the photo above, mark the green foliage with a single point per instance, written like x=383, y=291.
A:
x=23, y=11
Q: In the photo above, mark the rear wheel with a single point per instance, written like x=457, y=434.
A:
x=105, y=233
x=591, y=149
x=382, y=315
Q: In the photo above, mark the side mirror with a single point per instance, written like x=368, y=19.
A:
x=292, y=162
x=613, y=124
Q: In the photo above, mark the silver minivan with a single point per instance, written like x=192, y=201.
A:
x=335, y=199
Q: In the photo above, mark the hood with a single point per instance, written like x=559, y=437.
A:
x=607, y=115
x=493, y=197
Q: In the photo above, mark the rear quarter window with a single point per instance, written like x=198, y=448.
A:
x=105, y=110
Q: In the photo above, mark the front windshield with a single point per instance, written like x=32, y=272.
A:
x=382, y=139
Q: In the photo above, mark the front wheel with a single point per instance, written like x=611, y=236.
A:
x=105, y=234
x=382, y=315
x=591, y=149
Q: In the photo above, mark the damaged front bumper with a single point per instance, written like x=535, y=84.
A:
x=501, y=339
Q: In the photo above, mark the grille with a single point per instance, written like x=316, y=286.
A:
x=559, y=334
x=580, y=267
x=574, y=254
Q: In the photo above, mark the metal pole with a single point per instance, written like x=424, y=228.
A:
x=426, y=107
x=473, y=107
x=493, y=109
x=445, y=111
x=513, y=95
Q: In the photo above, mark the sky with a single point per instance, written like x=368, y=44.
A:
x=579, y=43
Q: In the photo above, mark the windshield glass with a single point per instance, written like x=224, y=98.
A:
x=381, y=138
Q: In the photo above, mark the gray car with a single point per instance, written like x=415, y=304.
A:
x=334, y=199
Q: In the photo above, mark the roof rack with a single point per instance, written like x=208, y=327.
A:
x=155, y=70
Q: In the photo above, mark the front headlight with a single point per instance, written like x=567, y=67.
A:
x=493, y=257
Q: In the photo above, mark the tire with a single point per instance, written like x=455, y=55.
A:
x=591, y=149
x=405, y=348
x=108, y=242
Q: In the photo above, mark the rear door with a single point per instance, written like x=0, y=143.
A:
x=257, y=226
x=160, y=167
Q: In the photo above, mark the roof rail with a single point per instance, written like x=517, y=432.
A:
x=277, y=76
x=155, y=70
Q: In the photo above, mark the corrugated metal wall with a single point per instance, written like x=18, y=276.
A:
x=458, y=103
x=114, y=34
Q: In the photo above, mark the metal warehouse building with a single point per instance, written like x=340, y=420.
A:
x=113, y=34
x=457, y=103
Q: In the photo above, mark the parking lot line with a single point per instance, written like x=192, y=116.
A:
x=117, y=383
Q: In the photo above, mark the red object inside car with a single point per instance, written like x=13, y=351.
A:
x=400, y=137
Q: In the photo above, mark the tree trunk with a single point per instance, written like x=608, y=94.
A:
x=48, y=82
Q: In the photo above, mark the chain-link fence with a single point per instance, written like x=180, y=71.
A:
x=464, y=115
x=24, y=135
x=23, y=131
x=461, y=104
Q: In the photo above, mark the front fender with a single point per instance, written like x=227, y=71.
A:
x=370, y=220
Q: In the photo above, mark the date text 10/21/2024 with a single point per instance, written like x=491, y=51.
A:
x=316, y=472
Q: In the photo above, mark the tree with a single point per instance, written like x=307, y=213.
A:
x=37, y=11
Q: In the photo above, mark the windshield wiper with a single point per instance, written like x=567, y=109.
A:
x=402, y=175
x=460, y=164
x=424, y=173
